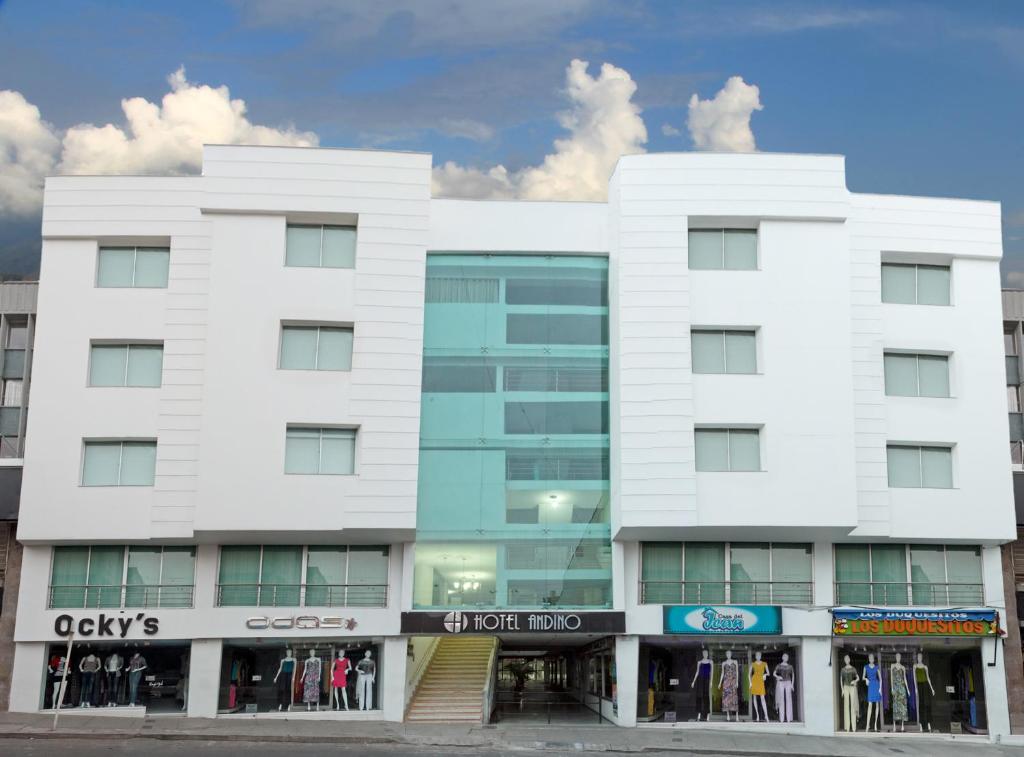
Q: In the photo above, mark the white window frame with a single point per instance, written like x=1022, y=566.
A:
x=320, y=258
x=723, y=331
x=120, y=461
x=917, y=355
x=128, y=356
x=728, y=446
x=320, y=448
x=135, y=264
x=917, y=295
x=723, y=230
x=920, y=462
x=316, y=354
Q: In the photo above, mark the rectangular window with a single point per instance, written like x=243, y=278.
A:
x=1010, y=341
x=908, y=284
x=916, y=375
x=555, y=378
x=320, y=246
x=913, y=467
x=877, y=574
x=448, y=290
x=160, y=576
x=325, y=451
x=542, y=418
x=86, y=576
x=524, y=328
x=119, y=463
x=126, y=364
x=556, y=465
x=592, y=292
x=704, y=572
x=723, y=351
x=468, y=378
x=661, y=571
x=723, y=249
x=316, y=348
x=17, y=336
x=138, y=267
x=12, y=392
x=728, y=449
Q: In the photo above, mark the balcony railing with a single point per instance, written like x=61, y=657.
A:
x=302, y=595
x=120, y=596
x=923, y=594
x=727, y=592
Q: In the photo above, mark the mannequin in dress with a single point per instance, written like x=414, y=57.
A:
x=286, y=684
x=367, y=670
x=848, y=680
x=784, y=678
x=135, y=667
x=311, y=681
x=88, y=667
x=757, y=676
x=113, y=666
x=900, y=693
x=925, y=692
x=340, y=669
x=705, y=667
x=872, y=677
x=728, y=684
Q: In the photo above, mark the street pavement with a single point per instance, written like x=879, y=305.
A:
x=297, y=736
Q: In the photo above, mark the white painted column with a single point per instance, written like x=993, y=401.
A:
x=824, y=576
x=815, y=680
x=627, y=661
x=204, y=678
x=391, y=681
x=28, y=676
x=997, y=703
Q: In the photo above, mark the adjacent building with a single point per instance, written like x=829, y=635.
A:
x=304, y=436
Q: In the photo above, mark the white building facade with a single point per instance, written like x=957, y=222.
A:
x=295, y=409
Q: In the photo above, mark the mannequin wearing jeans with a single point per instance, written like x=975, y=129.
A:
x=705, y=667
x=135, y=667
x=784, y=676
x=367, y=671
x=848, y=680
x=113, y=667
x=88, y=667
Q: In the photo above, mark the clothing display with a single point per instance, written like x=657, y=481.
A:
x=784, y=691
x=311, y=681
x=703, y=688
x=730, y=686
x=898, y=686
x=342, y=666
x=367, y=669
x=874, y=680
x=758, y=669
x=924, y=695
x=851, y=703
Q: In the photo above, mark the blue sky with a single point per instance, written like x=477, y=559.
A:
x=922, y=97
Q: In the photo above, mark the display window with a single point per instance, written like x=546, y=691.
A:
x=300, y=676
x=686, y=680
x=923, y=687
x=153, y=675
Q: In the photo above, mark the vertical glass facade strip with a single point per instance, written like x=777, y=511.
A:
x=513, y=491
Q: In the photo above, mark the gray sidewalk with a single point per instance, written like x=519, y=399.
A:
x=718, y=740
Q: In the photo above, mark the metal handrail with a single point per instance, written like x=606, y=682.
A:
x=302, y=595
x=99, y=596
x=726, y=592
x=912, y=593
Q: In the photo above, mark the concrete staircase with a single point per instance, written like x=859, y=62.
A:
x=452, y=688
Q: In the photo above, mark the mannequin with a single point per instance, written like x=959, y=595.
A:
x=784, y=677
x=56, y=670
x=848, y=680
x=900, y=693
x=367, y=670
x=311, y=681
x=135, y=667
x=872, y=676
x=285, y=680
x=113, y=666
x=705, y=667
x=757, y=676
x=924, y=695
x=728, y=684
x=88, y=667
x=339, y=678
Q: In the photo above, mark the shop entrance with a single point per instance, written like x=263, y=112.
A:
x=953, y=668
x=153, y=675
x=560, y=682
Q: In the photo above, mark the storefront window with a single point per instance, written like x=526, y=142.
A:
x=109, y=674
x=944, y=690
x=300, y=675
x=335, y=576
x=676, y=686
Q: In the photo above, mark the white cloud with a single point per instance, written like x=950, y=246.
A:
x=168, y=138
x=669, y=130
x=466, y=128
x=603, y=123
x=28, y=152
x=723, y=122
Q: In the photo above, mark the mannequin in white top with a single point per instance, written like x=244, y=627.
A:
x=728, y=684
x=113, y=666
x=367, y=670
x=924, y=695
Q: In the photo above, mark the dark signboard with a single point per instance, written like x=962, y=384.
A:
x=459, y=621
